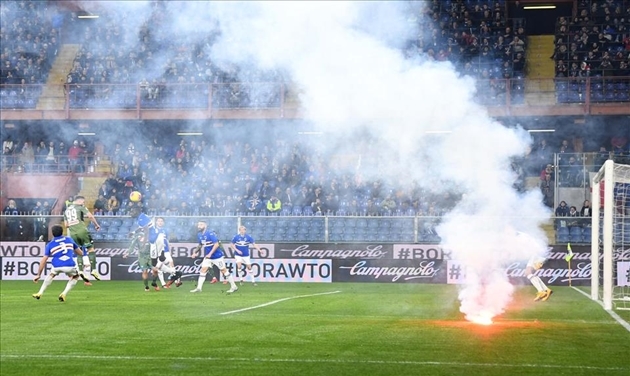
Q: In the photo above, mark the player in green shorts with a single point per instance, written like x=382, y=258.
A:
x=140, y=245
x=74, y=220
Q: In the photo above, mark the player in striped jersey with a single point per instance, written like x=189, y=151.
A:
x=241, y=243
x=157, y=251
x=60, y=250
x=212, y=255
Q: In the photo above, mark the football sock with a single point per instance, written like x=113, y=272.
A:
x=230, y=279
x=201, y=280
x=80, y=263
x=69, y=286
x=92, y=258
x=252, y=275
x=541, y=283
x=161, y=277
x=166, y=268
x=47, y=281
x=146, y=282
x=86, y=264
x=536, y=282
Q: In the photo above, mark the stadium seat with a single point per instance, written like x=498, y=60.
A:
x=597, y=96
x=575, y=238
x=586, y=234
x=361, y=223
x=104, y=222
x=610, y=96
x=335, y=237
x=562, y=235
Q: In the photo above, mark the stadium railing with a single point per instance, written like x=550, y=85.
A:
x=495, y=93
x=276, y=229
x=15, y=163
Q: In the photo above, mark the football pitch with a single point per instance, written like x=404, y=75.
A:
x=116, y=328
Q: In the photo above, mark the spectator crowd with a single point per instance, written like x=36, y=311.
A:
x=29, y=40
x=594, y=45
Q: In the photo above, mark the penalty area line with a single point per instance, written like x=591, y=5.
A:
x=612, y=313
x=294, y=360
x=277, y=301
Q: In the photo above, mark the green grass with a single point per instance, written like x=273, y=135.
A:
x=115, y=328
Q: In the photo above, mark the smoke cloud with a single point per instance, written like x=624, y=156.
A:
x=404, y=119
x=352, y=75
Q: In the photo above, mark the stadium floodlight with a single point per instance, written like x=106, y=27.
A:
x=86, y=15
x=610, y=236
x=537, y=7
x=541, y=130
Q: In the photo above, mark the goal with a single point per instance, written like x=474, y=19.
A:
x=610, y=236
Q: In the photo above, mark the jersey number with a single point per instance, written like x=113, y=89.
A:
x=72, y=217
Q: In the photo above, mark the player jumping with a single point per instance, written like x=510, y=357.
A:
x=535, y=263
x=74, y=220
x=140, y=245
x=157, y=252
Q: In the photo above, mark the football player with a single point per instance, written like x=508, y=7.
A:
x=241, y=243
x=212, y=255
x=61, y=249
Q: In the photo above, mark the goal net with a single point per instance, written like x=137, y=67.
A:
x=610, y=242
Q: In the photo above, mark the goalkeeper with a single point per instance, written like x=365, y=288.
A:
x=139, y=245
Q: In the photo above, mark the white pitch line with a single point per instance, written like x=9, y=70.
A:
x=612, y=313
x=277, y=301
x=289, y=360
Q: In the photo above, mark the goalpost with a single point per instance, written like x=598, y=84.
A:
x=610, y=236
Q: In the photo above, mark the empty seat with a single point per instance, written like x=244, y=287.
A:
x=562, y=235
x=586, y=234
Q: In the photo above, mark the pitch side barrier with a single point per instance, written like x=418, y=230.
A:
x=272, y=229
x=318, y=262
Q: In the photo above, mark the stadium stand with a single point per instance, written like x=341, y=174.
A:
x=477, y=36
x=30, y=42
x=593, y=53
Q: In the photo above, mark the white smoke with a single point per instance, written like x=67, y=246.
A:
x=350, y=76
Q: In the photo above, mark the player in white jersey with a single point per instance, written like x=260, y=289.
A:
x=158, y=237
x=159, y=251
x=60, y=250
x=533, y=264
x=241, y=243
